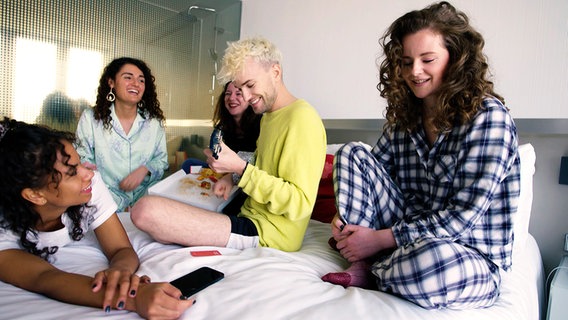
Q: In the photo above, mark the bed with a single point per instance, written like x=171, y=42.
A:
x=265, y=283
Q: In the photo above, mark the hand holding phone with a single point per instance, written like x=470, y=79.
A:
x=343, y=221
x=196, y=281
x=215, y=142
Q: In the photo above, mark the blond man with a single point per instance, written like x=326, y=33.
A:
x=281, y=184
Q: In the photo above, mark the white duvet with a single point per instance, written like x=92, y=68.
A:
x=265, y=283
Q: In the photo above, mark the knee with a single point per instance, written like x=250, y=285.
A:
x=140, y=213
x=467, y=294
x=352, y=147
x=352, y=152
x=440, y=274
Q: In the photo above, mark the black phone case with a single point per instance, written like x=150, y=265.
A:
x=197, y=280
x=215, y=141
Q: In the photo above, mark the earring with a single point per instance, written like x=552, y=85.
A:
x=110, y=96
x=141, y=104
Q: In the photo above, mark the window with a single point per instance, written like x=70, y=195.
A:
x=34, y=77
x=83, y=71
x=54, y=52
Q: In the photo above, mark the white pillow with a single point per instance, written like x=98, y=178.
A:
x=522, y=217
x=332, y=148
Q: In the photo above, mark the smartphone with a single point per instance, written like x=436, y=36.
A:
x=215, y=142
x=196, y=281
x=342, y=221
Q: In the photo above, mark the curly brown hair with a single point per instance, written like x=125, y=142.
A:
x=249, y=124
x=466, y=79
x=149, y=106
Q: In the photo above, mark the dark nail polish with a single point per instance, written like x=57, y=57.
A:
x=132, y=292
x=194, y=301
x=121, y=304
x=107, y=309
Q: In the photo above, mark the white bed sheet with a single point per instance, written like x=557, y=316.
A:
x=265, y=283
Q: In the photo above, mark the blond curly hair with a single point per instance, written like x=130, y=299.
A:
x=258, y=48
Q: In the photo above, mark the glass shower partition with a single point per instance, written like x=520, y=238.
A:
x=53, y=52
x=67, y=43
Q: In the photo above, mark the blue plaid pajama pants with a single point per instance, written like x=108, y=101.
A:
x=434, y=273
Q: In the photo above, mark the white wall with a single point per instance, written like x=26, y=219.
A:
x=330, y=47
x=549, y=217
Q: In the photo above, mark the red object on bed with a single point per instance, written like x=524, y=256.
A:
x=324, y=208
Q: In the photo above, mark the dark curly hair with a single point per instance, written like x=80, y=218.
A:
x=28, y=154
x=149, y=105
x=465, y=83
x=249, y=125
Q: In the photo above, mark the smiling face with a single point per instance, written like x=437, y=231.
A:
x=129, y=84
x=258, y=85
x=73, y=189
x=234, y=101
x=424, y=60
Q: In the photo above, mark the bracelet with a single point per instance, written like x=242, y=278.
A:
x=236, y=177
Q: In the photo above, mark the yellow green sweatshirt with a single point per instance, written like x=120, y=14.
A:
x=282, y=184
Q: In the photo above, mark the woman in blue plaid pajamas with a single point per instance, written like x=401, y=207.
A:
x=427, y=212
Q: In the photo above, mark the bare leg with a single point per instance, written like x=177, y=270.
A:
x=170, y=221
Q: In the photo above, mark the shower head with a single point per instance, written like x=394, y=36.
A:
x=200, y=8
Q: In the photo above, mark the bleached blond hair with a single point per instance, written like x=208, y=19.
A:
x=258, y=48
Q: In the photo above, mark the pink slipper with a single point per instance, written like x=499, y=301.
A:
x=357, y=275
x=339, y=278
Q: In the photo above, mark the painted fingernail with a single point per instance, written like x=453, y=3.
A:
x=121, y=304
x=132, y=292
x=194, y=301
x=107, y=309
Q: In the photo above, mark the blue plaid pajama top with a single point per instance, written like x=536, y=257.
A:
x=465, y=188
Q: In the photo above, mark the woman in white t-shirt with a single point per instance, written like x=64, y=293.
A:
x=49, y=200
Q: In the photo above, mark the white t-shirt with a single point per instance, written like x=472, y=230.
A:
x=101, y=207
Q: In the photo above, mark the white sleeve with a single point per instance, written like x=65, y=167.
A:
x=9, y=240
x=102, y=203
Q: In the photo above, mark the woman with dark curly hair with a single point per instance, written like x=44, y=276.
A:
x=49, y=200
x=427, y=213
x=123, y=135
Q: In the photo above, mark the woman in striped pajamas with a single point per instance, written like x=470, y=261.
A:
x=427, y=212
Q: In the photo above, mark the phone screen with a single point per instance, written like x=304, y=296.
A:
x=197, y=280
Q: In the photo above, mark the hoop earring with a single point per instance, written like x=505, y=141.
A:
x=110, y=96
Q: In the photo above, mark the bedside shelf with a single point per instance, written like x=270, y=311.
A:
x=558, y=296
